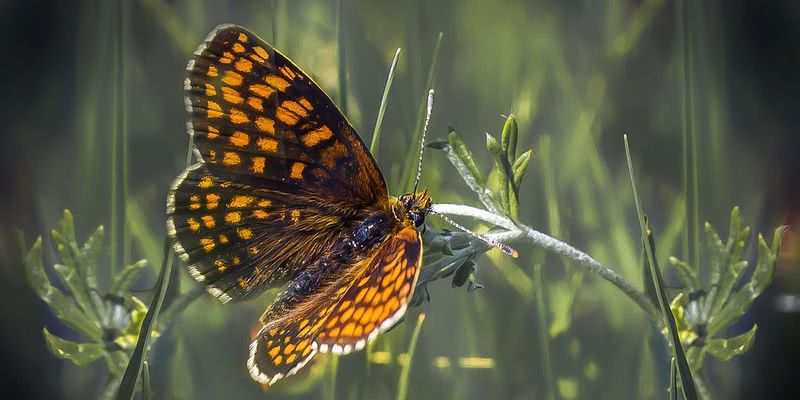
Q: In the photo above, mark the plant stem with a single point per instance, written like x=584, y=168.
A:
x=519, y=231
x=179, y=305
x=544, y=345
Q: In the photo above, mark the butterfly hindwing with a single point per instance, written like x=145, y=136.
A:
x=328, y=318
x=378, y=297
x=254, y=113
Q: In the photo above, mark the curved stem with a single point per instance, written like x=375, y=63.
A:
x=179, y=305
x=519, y=231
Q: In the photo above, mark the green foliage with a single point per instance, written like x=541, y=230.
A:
x=107, y=322
x=657, y=282
x=500, y=193
x=704, y=312
x=455, y=253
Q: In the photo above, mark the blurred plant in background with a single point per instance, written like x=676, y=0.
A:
x=574, y=76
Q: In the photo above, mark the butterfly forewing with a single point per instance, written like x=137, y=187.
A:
x=254, y=113
x=265, y=131
x=238, y=239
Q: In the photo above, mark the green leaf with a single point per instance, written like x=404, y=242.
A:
x=686, y=272
x=128, y=385
x=465, y=156
x=520, y=166
x=561, y=297
x=460, y=157
x=402, y=384
x=689, y=389
x=126, y=277
x=509, y=137
x=376, y=133
x=501, y=168
x=89, y=256
x=673, y=379
x=70, y=269
x=63, y=307
x=78, y=353
x=727, y=349
x=763, y=274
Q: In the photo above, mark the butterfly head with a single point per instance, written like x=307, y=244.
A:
x=416, y=206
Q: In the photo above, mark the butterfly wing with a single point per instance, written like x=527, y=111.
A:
x=367, y=298
x=283, y=171
x=378, y=297
x=257, y=115
x=237, y=239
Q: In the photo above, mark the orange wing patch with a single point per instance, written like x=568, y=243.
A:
x=379, y=297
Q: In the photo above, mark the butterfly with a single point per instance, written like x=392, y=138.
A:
x=286, y=194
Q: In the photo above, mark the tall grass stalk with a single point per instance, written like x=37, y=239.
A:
x=541, y=323
x=342, y=56
x=649, y=247
x=376, y=133
x=402, y=384
x=410, y=164
x=689, y=138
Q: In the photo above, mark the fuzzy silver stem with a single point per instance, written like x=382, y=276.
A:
x=519, y=231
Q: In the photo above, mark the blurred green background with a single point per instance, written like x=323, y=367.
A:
x=93, y=121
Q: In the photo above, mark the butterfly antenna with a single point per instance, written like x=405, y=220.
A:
x=428, y=112
x=485, y=238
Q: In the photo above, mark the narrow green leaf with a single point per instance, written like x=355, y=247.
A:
x=521, y=166
x=673, y=379
x=467, y=173
x=402, y=385
x=146, y=389
x=126, y=277
x=63, y=307
x=509, y=137
x=430, y=82
x=77, y=288
x=376, y=133
x=128, y=385
x=502, y=170
x=90, y=255
x=78, y=353
x=685, y=372
x=686, y=272
x=646, y=371
x=463, y=153
x=727, y=349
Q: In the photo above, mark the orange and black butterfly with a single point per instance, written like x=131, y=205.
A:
x=286, y=193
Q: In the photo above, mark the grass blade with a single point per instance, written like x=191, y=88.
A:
x=687, y=381
x=544, y=346
x=340, y=52
x=128, y=384
x=376, y=133
x=408, y=167
x=402, y=385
